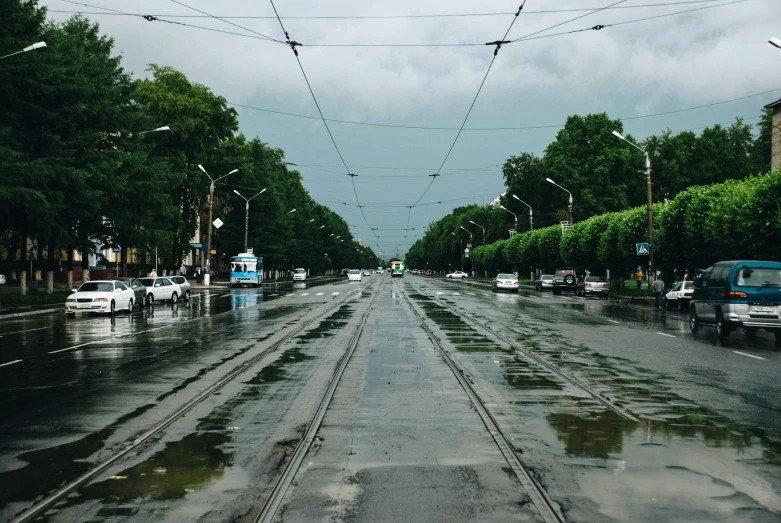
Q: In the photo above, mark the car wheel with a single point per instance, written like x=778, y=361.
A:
x=681, y=306
x=111, y=308
x=130, y=305
x=694, y=322
x=150, y=300
x=569, y=280
x=141, y=302
x=722, y=329
x=174, y=298
x=667, y=304
x=449, y=277
x=187, y=296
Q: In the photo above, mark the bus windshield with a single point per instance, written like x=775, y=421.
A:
x=248, y=265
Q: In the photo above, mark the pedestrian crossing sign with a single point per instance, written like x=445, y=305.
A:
x=642, y=249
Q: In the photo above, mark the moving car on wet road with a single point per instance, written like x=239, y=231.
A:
x=679, y=298
x=457, y=275
x=593, y=285
x=543, y=282
x=299, y=275
x=105, y=296
x=504, y=282
x=161, y=289
x=354, y=275
x=734, y=294
x=564, y=279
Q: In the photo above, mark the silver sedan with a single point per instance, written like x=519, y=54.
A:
x=505, y=282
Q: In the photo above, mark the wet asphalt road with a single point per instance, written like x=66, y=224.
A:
x=400, y=441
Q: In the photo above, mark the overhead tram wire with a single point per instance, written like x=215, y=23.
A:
x=385, y=17
x=498, y=45
x=157, y=18
x=177, y=2
x=293, y=44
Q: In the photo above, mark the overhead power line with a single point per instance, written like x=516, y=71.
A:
x=177, y=2
x=260, y=36
x=293, y=44
x=420, y=16
x=521, y=128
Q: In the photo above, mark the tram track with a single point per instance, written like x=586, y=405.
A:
x=469, y=319
x=546, y=507
x=40, y=507
x=288, y=474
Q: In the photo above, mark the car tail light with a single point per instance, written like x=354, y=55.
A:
x=736, y=294
x=588, y=285
x=606, y=285
x=515, y=283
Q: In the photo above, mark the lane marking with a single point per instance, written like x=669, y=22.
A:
x=74, y=347
x=471, y=294
x=456, y=294
x=223, y=295
x=614, y=321
x=440, y=292
x=736, y=352
x=334, y=293
x=17, y=332
x=9, y=363
x=668, y=335
x=319, y=294
x=305, y=294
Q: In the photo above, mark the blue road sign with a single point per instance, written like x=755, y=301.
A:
x=118, y=248
x=642, y=249
x=204, y=245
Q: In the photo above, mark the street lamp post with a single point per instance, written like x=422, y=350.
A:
x=531, y=214
x=37, y=45
x=246, y=215
x=207, y=275
x=649, y=208
x=470, y=243
x=461, y=252
x=775, y=42
x=485, y=271
x=514, y=215
x=571, y=217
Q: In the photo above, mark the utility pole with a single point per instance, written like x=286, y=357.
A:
x=246, y=214
x=207, y=276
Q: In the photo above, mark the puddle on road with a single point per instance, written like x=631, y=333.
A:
x=680, y=459
x=180, y=468
x=49, y=468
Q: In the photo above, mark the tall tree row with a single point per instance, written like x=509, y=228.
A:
x=82, y=168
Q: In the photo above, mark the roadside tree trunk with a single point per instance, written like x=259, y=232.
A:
x=50, y=264
x=23, y=262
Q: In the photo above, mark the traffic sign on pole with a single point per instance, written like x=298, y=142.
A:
x=642, y=249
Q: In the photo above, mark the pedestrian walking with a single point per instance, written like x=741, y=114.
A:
x=639, y=277
x=183, y=270
x=198, y=275
x=153, y=273
x=658, y=291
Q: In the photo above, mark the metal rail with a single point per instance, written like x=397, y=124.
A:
x=539, y=360
x=44, y=504
x=546, y=507
x=275, y=498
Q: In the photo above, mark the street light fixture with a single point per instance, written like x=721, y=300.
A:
x=531, y=214
x=473, y=223
x=515, y=215
x=321, y=227
x=571, y=218
x=211, y=202
x=310, y=221
x=649, y=205
x=292, y=211
x=36, y=45
x=246, y=215
x=159, y=129
x=775, y=42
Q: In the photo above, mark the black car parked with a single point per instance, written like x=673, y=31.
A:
x=564, y=279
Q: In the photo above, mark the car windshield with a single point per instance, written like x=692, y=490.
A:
x=688, y=285
x=299, y=271
x=147, y=282
x=564, y=272
x=758, y=277
x=177, y=279
x=594, y=278
x=505, y=277
x=354, y=271
x=546, y=276
x=92, y=286
x=244, y=266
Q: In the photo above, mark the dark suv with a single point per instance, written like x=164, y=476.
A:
x=564, y=279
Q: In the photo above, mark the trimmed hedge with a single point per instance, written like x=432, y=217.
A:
x=702, y=225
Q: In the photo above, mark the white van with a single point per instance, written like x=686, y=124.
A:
x=299, y=275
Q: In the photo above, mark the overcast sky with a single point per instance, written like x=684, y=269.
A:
x=667, y=63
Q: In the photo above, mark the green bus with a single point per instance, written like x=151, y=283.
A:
x=397, y=269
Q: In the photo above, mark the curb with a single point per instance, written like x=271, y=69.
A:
x=30, y=313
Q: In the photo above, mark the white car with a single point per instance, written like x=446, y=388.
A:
x=183, y=284
x=456, y=275
x=354, y=275
x=299, y=275
x=677, y=299
x=100, y=296
x=367, y=273
x=161, y=289
x=2, y=279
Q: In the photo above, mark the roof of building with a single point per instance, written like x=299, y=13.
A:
x=773, y=105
